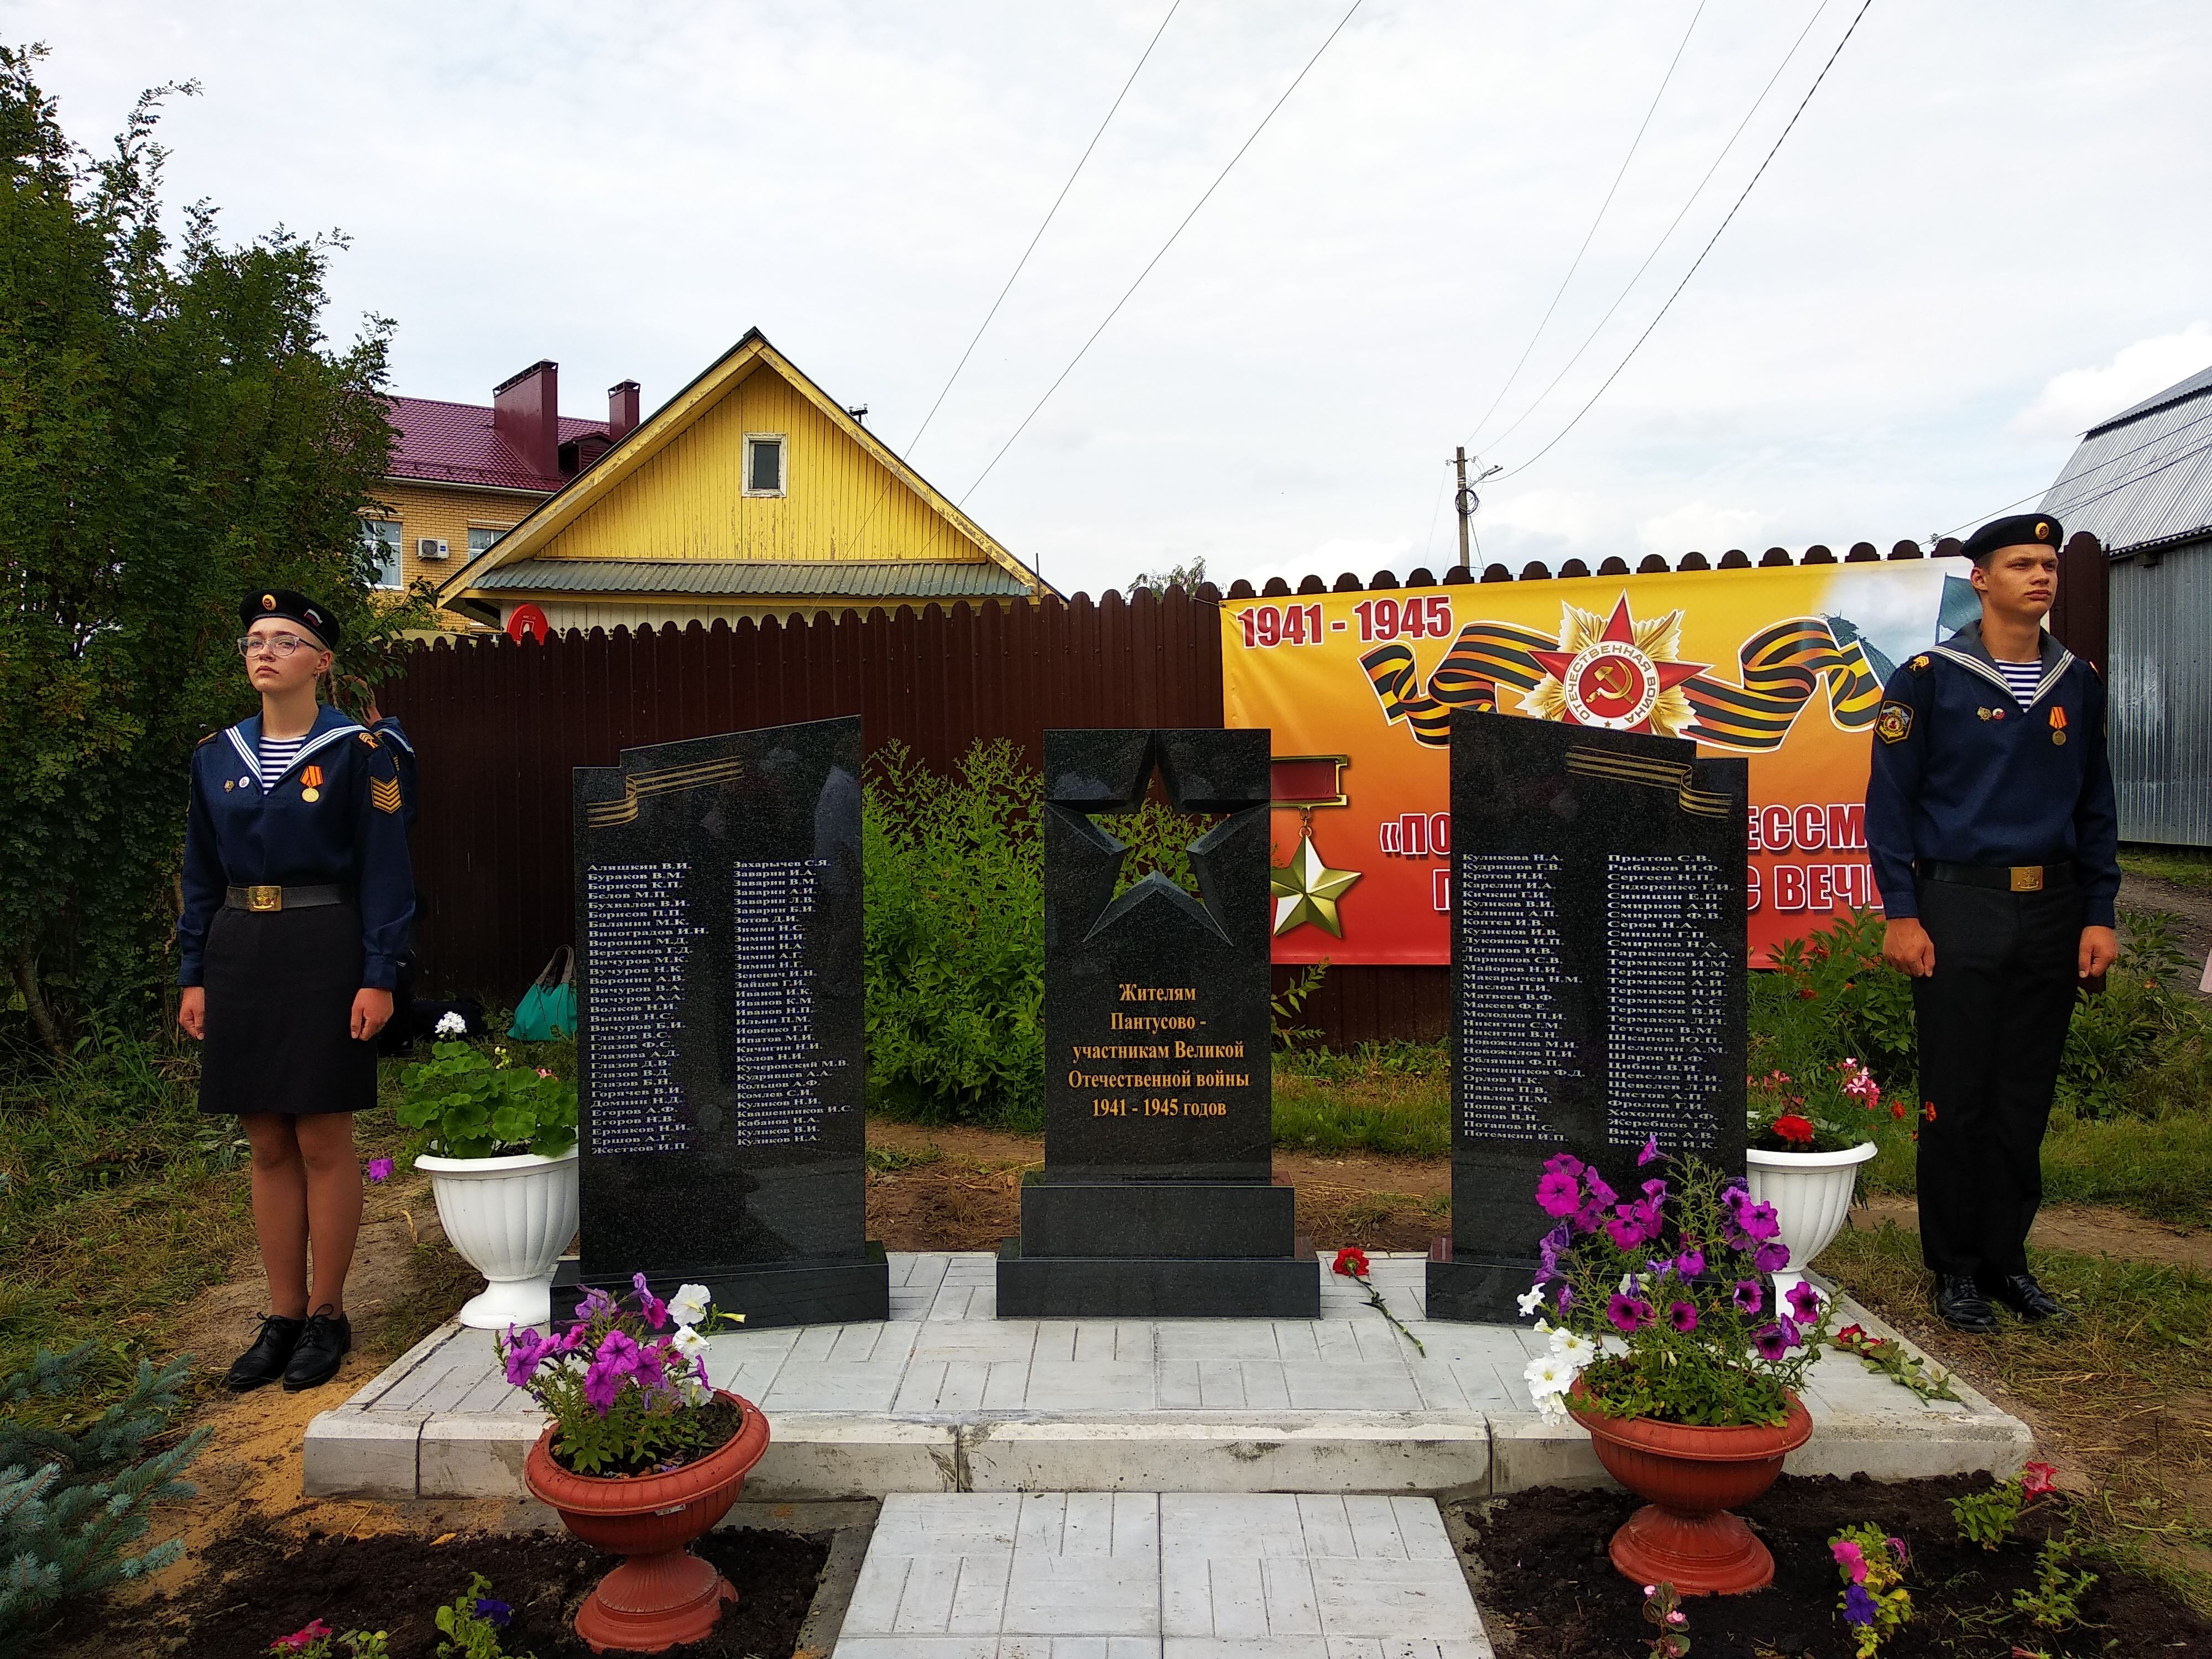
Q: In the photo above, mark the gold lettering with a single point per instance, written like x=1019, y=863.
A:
x=1158, y=992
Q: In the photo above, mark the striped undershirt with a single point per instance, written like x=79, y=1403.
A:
x=2022, y=677
x=277, y=755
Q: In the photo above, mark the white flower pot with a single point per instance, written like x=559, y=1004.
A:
x=1811, y=1193
x=510, y=1218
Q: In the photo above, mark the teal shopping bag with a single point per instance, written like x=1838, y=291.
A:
x=548, y=1008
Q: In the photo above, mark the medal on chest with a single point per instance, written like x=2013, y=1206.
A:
x=2059, y=727
x=311, y=782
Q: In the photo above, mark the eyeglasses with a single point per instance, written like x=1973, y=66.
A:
x=280, y=645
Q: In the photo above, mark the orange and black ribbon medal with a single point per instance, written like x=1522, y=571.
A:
x=2059, y=727
x=311, y=779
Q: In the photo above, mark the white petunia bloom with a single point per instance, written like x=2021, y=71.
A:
x=689, y=1304
x=451, y=1025
x=688, y=1342
x=1572, y=1346
x=1549, y=1377
x=1529, y=1301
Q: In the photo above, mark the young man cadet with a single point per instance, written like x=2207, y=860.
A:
x=1991, y=826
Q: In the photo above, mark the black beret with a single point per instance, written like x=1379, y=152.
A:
x=293, y=607
x=2020, y=529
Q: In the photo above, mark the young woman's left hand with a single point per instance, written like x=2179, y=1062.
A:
x=371, y=1009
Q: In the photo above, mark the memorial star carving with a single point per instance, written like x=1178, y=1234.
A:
x=1616, y=672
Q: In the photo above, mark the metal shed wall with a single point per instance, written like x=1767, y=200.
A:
x=2161, y=679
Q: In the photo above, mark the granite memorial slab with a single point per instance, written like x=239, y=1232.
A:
x=1597, y=977
x=1156, y=1198
x=720, y=1057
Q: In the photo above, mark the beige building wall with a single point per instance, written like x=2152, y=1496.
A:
x=445, y=513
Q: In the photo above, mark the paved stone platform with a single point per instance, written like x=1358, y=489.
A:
x=945, y=1397
x=1160, y=1575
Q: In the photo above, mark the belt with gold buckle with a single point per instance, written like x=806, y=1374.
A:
x=267, y=899
x=2004, y=878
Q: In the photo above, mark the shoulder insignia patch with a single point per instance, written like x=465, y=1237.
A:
x=1894, y=723
x=369, y=738
x=383, y=795
x=208, y=739
x=1920, y=665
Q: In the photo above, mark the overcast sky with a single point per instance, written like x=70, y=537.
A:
x=1985, y=232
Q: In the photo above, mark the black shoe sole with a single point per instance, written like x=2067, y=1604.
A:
x=301, y=1384
x=248, y=1388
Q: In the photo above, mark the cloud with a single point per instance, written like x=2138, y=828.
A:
x=1710, y=530
x=1331, y=559
x=2080, y=397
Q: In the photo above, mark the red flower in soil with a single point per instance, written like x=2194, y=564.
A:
x=1352, y=1262
x=1797, y=1130
x=2037, y=1479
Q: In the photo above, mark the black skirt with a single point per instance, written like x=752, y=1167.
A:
x=280, y=990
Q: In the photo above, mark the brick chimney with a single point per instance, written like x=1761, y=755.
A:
x=526, y=410
x=621, y=408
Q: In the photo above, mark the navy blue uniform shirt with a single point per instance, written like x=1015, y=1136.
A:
x=248, y=831
x=1963, y=775
x=393, y=736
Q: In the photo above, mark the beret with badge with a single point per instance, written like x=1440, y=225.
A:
x=293, y=606
x=2020, y=529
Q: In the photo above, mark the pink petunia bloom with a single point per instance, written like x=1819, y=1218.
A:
x=1558, y=1194
x=1772, y=1257
x=1683, y=1317
x=1804, y=1301
x=1600, y=1194
x=1565, y=1164
x=1770, y=1341
x=1690, y=1263
x=316, y=1631
x=1760, y=1221
x=380, y=1169
x=1749, y=1298
x=1629, y=1314
x=2037, y=1479
x=656, y=1310
x=1851, y=1558
x=1650, y=1154
x=618, y=1352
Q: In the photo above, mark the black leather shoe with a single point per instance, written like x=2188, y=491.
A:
x=264, y=1362
x=322, y=1350
x=2020, y=1293
x=1959, y=1304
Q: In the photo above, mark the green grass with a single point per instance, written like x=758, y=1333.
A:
x=1382, y=1098
x=2162, y=1170
x=2122, y=1381
x=2186, y=866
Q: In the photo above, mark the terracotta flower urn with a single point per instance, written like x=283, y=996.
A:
x=1690, y=1476
x=662, y=1594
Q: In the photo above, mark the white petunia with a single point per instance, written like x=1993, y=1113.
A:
x=1529, y=1301
x=689, y=1304
x=451, y=1025
x=688, y=1342
x=1549, y=1377
x=1574, y=1348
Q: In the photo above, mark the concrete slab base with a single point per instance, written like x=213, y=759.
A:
x=944, y=1396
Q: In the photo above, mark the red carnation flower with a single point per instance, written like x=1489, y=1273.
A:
x=1352, y=1262
x=1795, y=1129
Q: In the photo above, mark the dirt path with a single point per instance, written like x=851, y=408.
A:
x=2192, y=904
x=968, y=1196
x=2084, y=1228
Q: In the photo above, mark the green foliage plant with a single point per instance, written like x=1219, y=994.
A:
x=1874, y=1603
x=174, y=432
x=462, y=1103
x=1285, y=1006
x=1988, y=1517
x=1890, y=1358
x=71, y=1505
x=469, y=1626
x=954, y=930
x=1663, y=1609
x=1662, y=1304
x=2055, y=1602
x=316, y=1640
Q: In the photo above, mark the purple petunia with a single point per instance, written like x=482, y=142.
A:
x=498, y=1614
x=1858, y=1606
x=1600, y=1194
x=1690, y=1263
x=1770, y=1341
x=1804, y=1301
x=656, y=1310
x=380, y=1169
x=1683, y=1317
x=1749, y=1298
x=618, y=1352
x=595, y=1302
x=525, y=1348
x=1650, y=1154
x=1565, y=1299
x=1629, y=1314
x=1565, y=1164
x=1760, y=1220
x=1558, y=1194
x=602, y=1382
x=1656, y=1190
x=1772, y=1257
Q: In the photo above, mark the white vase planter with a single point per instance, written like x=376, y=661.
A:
x=1811, y=1193
x=510, y=1218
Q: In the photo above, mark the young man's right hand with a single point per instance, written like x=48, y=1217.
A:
x=191, y=1010
x=1907, y=947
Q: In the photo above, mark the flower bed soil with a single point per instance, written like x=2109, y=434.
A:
x=1547, y=1590
x=256, y=1589
x=718, y=1423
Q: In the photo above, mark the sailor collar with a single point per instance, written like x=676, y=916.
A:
x=328, y=727
x=1965, y=648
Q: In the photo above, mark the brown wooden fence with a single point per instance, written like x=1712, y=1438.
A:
x=498, y=727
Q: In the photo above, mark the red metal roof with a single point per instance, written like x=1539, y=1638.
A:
x=453, y=443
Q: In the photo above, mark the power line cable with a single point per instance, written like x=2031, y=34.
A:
x=1162, y=254
x=1708, y=248
x=1590, y=339
x=1576, y=264
x=2118, y=455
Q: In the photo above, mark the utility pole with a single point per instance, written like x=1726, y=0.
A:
x=1466, y=505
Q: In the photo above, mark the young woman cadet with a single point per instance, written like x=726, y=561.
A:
x=297, y=897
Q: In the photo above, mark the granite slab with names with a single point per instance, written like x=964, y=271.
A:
x=1598, y=976
x=720, y=1057
x=1155, y=1197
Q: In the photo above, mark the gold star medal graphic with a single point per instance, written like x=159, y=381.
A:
x=1615, y=672
x=1306, y=889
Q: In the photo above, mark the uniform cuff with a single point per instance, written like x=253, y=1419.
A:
x=379, y=974
x=188, y=976
x=2100, y=913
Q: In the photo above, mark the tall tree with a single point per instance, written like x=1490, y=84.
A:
x=174, y=432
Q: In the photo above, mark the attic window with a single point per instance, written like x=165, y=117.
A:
x=765, y=463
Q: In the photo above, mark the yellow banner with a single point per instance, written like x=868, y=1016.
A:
x=1783, y=665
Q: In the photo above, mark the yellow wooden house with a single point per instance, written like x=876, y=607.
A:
x=750, y=493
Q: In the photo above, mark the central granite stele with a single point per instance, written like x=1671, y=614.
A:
x=1157, y=1195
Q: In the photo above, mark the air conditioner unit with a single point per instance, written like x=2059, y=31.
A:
x=429, y=547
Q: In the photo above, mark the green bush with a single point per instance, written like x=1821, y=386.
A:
x=71, y=1503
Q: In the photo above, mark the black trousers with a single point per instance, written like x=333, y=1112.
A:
x=1992, y=1021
